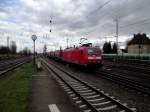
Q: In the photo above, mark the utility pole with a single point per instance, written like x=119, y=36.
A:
x=70, y=42
x=117, y=39
x=139, y=51
x=8, y=46
x=105, y=39
x=45, y=50
x=67, y=42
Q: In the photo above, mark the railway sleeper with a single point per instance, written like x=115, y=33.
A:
x=84, y=91
x=86, y=94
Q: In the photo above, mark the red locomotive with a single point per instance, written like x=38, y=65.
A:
x=85, y=55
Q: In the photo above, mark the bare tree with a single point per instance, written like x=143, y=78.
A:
x=4, y=50
x=25, y=51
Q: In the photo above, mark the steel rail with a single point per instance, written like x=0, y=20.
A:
x=13, y=66
x=118, y=103
x=130, y=66
x=116, y=78
x=87, y=103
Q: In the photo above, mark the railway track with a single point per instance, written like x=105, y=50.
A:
x=85, y=95
x=141, y=68
x=122, y=78
x=11, y=65
x=135, y=68
x=137, y=62
x=130, y=74
x=127, y=82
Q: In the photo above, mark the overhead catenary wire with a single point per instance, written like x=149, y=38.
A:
x=135, y=23
x=139, y=22
x=99, y=8
x=135, y=28
x=94, y=11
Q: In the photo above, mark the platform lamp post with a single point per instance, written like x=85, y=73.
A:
x=34, y=37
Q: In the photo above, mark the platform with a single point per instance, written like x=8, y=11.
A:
x=48, y=96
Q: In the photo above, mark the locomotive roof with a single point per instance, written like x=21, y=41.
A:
x=76, y=48
x=87, y=45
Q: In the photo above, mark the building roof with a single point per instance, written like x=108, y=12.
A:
x=139, y=39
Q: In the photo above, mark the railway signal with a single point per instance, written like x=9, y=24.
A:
x=50, y=23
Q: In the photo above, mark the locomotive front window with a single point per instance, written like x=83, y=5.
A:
x=94, y=51
x=81, y=52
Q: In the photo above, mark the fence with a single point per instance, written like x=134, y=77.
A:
x=127, y=56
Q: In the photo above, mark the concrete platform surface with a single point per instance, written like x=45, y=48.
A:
x=46, y=93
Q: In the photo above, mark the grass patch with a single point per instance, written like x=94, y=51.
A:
x=15, y=90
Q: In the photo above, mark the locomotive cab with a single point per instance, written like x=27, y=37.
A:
x=94, y=57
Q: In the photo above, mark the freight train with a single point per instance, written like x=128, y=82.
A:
x=85, y=56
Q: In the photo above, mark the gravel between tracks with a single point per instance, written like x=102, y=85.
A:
x=126, y=95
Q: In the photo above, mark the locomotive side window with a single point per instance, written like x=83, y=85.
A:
x=94, y=51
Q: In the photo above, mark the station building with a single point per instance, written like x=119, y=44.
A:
x=140, y=43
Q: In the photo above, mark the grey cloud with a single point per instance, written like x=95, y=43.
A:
x=78, y=18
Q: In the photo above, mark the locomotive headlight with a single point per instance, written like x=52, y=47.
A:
x=93, y=58
x=99, y=57
x=90, y=58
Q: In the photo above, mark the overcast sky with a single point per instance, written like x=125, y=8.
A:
x=72, y=19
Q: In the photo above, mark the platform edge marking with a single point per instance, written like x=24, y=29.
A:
x=53, y=108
